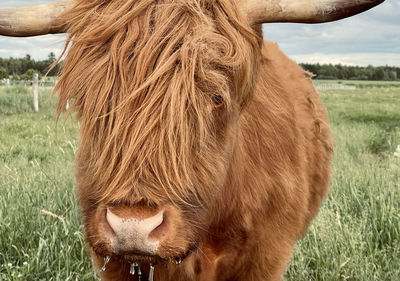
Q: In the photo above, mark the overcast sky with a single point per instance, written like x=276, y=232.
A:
x=369, y=38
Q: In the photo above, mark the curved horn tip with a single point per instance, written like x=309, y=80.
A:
x=304, y=11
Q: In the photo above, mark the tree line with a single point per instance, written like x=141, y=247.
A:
x=24, y=68
x=345, y=72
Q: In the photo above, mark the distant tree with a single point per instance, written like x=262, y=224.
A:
x=28, y=75
x=379, y=74
x=51, y=57
x=3, y=73
x=392, y=75
x=329, y=71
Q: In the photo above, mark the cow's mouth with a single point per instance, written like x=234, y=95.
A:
x=143, y=258
x=139, y=257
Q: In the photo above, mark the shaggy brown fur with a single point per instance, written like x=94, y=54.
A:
x=242, y=178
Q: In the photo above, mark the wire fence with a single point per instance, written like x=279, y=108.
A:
x=31, y=86
x=48, y=82
x=334, y=86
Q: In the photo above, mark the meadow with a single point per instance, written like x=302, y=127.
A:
x=356, y=235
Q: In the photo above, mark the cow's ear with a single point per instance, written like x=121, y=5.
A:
x=304, y=11
x=35, y=20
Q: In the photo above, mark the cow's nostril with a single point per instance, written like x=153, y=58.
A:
x=161, y=231
x=136, y=233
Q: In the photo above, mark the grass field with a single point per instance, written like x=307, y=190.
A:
x=361, y=84
x=356, y=235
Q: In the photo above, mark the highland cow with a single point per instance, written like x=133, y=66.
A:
x=204, y=151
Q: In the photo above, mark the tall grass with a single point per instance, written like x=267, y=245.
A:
x=361, y=84
x=355, y=236
x=36, y=175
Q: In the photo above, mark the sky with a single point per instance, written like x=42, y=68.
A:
x=371, y=38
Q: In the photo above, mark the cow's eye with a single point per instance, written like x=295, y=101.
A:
x=217, y=99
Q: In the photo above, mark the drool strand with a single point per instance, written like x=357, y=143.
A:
x=139, y=273
x=132, y=270
x=106, y=260
x=151, y=273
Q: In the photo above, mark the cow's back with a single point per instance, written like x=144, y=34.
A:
x=311, y=120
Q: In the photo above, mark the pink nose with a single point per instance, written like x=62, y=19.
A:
x=135, y=234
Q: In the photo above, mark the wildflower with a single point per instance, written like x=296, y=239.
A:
x=25, y=263
x=397, y=152
x=9, y=264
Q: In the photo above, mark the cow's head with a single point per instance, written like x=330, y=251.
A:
x=159, y=87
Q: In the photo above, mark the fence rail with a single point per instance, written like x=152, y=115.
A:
x=336, y=86
x=35, y=83
x=27, y=83
x=35, y=89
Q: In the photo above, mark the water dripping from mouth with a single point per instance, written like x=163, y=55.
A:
x=151, y=274
x=139, y=273
x=133, y=266
x=106, y=260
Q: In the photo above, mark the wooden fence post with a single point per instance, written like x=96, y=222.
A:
x=35, y=86
x=8, y=83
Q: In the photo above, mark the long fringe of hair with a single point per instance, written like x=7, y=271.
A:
x=140, y=75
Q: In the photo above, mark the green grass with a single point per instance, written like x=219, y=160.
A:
x=361, y=84
x=356, y=235
x=36, y=173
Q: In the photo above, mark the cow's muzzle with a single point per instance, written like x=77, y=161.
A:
x=143, y=234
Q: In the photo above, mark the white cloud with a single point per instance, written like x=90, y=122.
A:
x=20, y=3
x=362, y=59
x=38, y=47
x=352, y=35
x=372, y=38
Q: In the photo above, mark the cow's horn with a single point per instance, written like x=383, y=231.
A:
x=35, y=20
x=304, y=11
